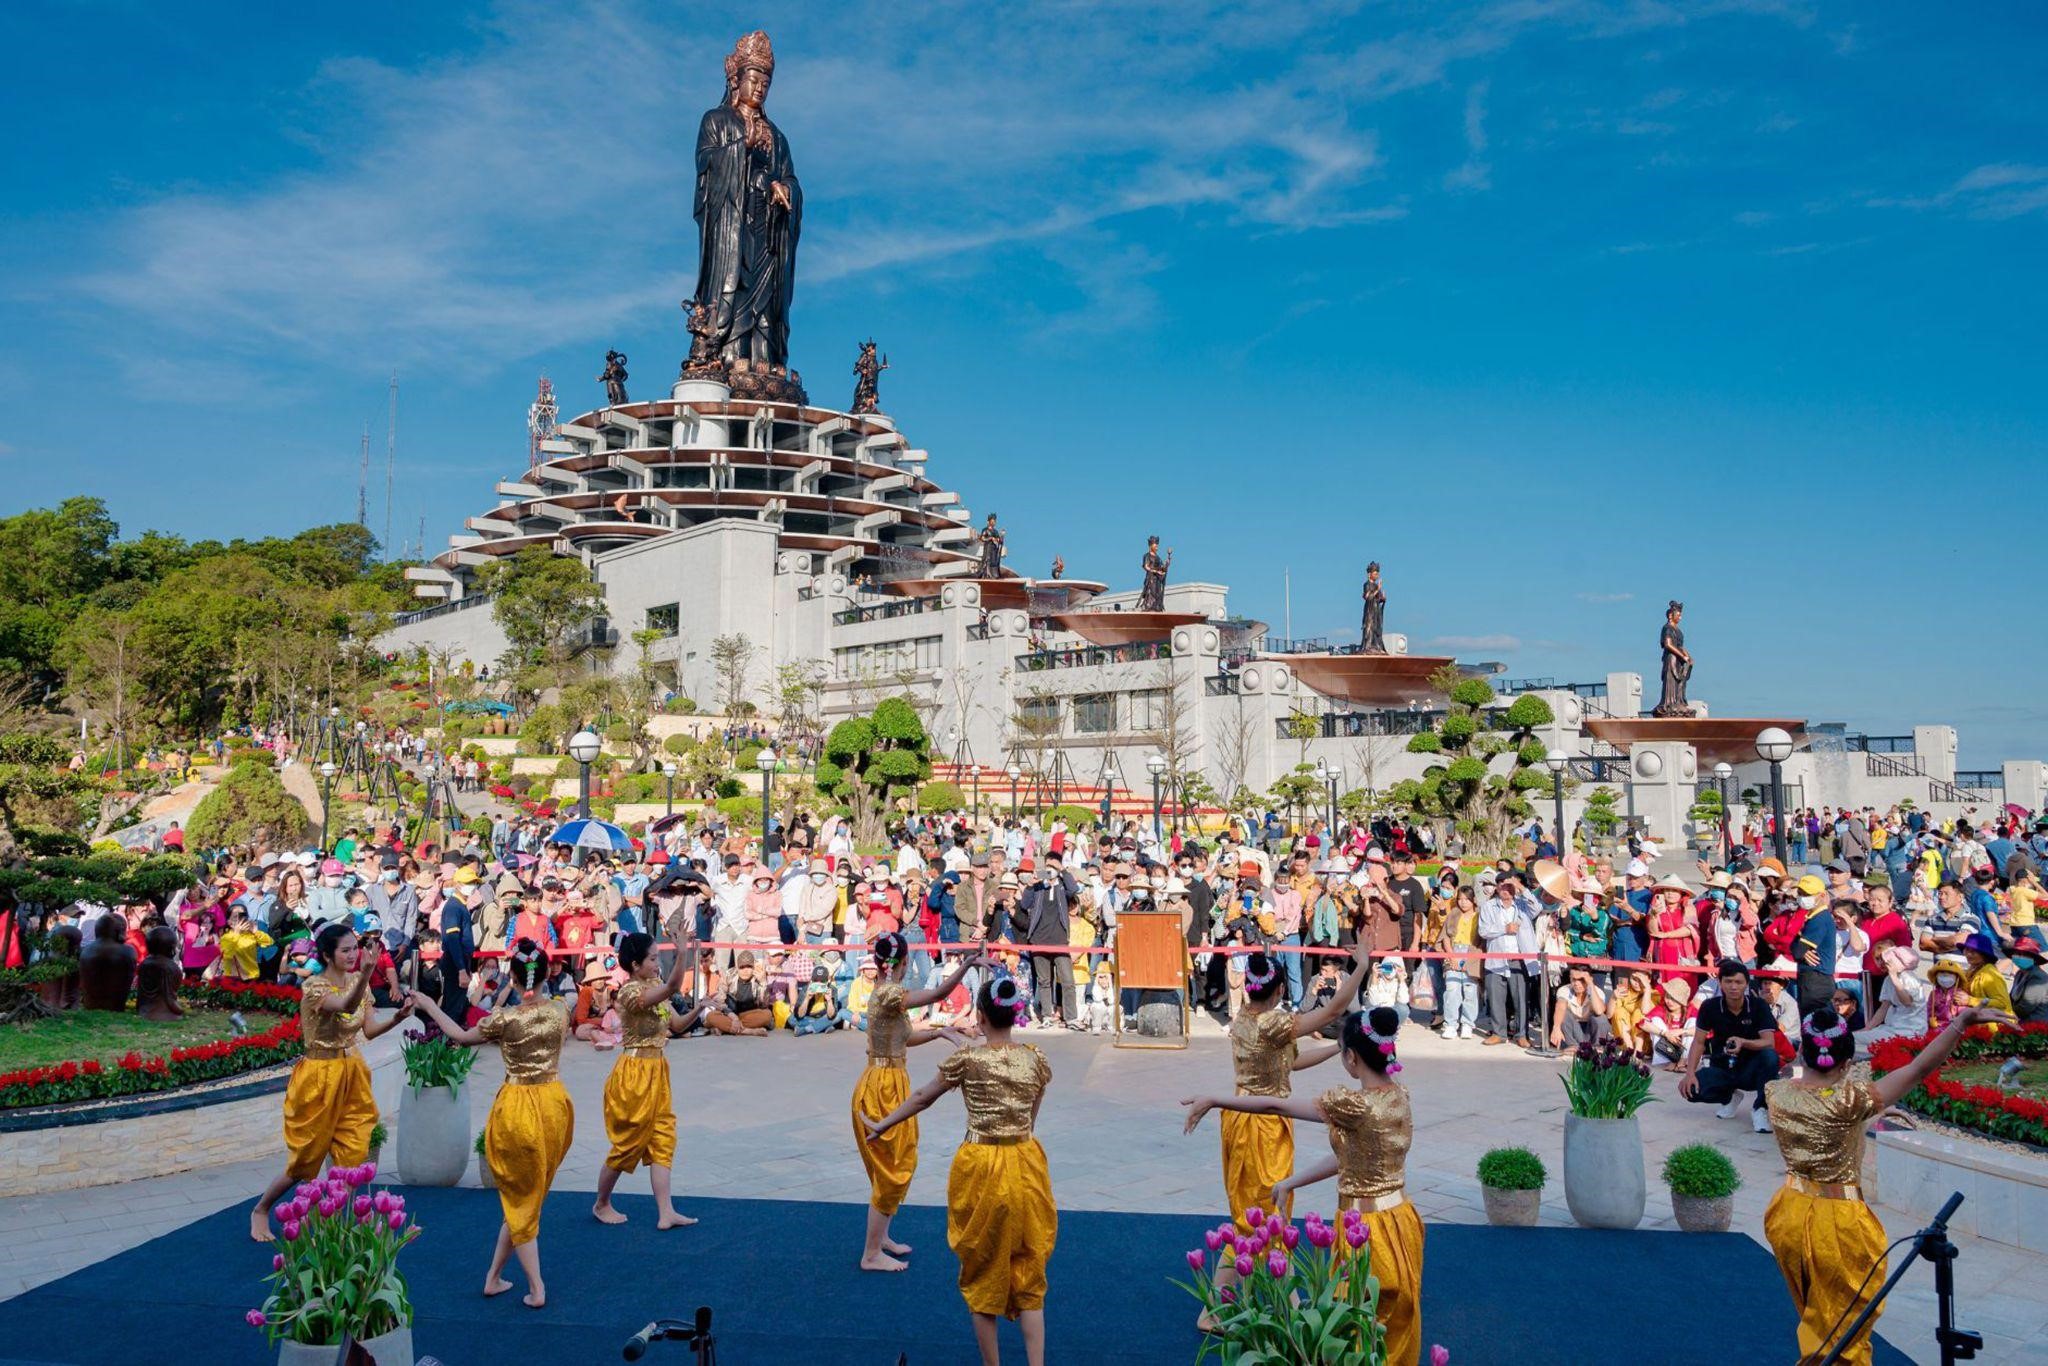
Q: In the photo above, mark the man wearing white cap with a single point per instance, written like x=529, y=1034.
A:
x=1632, y=914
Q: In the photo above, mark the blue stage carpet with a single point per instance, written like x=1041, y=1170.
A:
x=782, y=1282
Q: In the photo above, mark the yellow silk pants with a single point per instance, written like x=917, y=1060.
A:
x=328, y=1114
x=1825, y=1247
x=525, y=1140
x=891, y=1160
x=1394, y=1256
x=1001, y=1222
x=639, y=1116
x=1258, y=1154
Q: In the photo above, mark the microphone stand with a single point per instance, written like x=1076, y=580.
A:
x=1957, y=1344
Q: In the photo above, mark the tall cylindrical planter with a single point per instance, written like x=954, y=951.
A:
x=434, y=1142
x=1604, y=1186
x=387, y=1349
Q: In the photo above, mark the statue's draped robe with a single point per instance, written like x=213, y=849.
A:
x=1152, y=596
x=1372, y=626
x=1676, y=672
x=746, y=263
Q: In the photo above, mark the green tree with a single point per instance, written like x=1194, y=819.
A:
x=872, y=760
x=1297, y=791
x=1492, y=762
x=249, y=806
x=543, y=601
x=732, y=659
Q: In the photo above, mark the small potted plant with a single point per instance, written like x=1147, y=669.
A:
x=378, y=1136
x=485, y=1177
x=1604, y=1184
x=1512, y=1181
x=1703, y=1184
x=334, y=1273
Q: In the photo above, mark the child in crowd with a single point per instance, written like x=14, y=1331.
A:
x=817, y=1011
x=1388, y=986
x=1669, y=1026
x=241, y=946
x=1102, y=1002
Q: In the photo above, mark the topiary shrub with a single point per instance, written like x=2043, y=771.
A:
x=1512, y=1169
x=680, y=706
x=748, y=753
x=727, y=788
x=251, y=754
x=1469, y=769
x=620, y=732
x=942, y=796
x=679, y=745
x=1472, y=692
x=1074, y=816
x=1425, y=742
x=1702, y=1172
x=1527, y=712
x=1458, y=727
x=248, y=807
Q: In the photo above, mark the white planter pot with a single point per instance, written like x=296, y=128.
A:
x=1604, y=1186
x=434, y=1141
x=390, y=1349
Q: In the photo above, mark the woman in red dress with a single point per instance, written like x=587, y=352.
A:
x=1674, y=932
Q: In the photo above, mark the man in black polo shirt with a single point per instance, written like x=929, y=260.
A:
x=1737, y=1039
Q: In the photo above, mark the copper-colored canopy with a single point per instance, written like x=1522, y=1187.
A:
x=1717, y=739
x=1368, y=680
x=996, y=594
x=1124, y=628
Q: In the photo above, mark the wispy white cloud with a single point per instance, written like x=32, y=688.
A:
x=1996, y=191
x=1476, y=173
x=1604, y=597
x=1505, y=644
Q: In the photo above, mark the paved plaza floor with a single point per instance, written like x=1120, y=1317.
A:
x=767, y=1119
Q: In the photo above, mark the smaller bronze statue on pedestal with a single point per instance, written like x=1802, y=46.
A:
x=1059, y=567
x=1373, y=629
x=157, y=980
x=1677, y=664
x=61, y=993
x=991, y=538
x=106, y=966
x=867, y=375
x=614, y=378
x=1152, y=597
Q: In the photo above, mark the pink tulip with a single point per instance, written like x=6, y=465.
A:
x=277, y=1261
x=1439, y=1355
x=1197, y=1259
x=1213, y=1238
x=1276, y=1263
x=285, y=1209
x=381, y=1202
x=291, y=1230
x=308, y=1191
x=1254, y=1216
x=1227, y=1295
x=1244, y=1265
x=397, y=1220
x=362, y=1205
x=257, y=1318
x=1357, y=1235
x=1320, y=1235
x=1291, y=1236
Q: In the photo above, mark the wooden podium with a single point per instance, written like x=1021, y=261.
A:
x=1151, y=954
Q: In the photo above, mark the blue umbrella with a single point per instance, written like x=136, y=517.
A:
x=591, y=833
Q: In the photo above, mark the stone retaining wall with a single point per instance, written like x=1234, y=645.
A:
x=2005, y=1191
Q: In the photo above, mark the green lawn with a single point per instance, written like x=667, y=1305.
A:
x=80, y=1034
x=2033, y=1078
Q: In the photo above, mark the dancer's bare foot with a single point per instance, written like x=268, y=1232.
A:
x=670, y=1219
x=606, y=1214
x=882, y=1261
x=536, y=1298
x=1205, y=1322
x=894, y=1248
x=259, y=1226
x=497, y=1285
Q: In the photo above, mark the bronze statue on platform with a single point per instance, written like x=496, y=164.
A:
x=106, y=966
x=157, y=980
x=1372, y=631
x=1059, y=567
x=749, y=209
x=1152, y=597
x=991, y=538
x=867, y=375
x=614, y=379
x=1677, y=664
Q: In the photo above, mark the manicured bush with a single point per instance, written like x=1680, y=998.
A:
x=1512, y=1169
x=679, y=745
x=748, y=753
x=941, y=796
x=1701, y=1171
x=249, y=806
x=251, y=754
x=1425, y=742
x=680, y=706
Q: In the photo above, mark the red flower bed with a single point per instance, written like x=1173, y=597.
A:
x=1985, y=1109
x=134, y=1073
x=503, y=792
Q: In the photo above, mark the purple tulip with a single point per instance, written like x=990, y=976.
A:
x=1276, y=1263
x=291, y=1230
x=1244, y=1265
x=397, y=1220
x=381, y=1202
x=1213, y=1239
x=1197, y=1259
x=1291, y=1236
x=285, y=1209
x=1227, y=1295
x=308, y=1191
x=1357, y=1235
x=1254, y=1216
x=363, y=1204
x=257, y=1318
x=1439, y=1355
x=277, y=1261
x=1320, y=1235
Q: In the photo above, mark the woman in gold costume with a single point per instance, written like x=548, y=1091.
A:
x=639, y=1112
x=1829, y=1245
x=531, y=1121
x=1371, y=1128
x=329, y=1112
x=1000, y=1217
x=882, y=1087
x=1258, y=1149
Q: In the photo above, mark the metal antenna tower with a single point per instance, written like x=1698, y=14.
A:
x=363, y=483
x=390, y=460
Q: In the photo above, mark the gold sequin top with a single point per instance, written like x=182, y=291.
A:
x=641, y=1026
x=530, y=1035
x=1262, y=1052
x=1001, y=1086
x=1370, y=1131
x=888, y=1023
x=1820, y=1129
x=328, y=1033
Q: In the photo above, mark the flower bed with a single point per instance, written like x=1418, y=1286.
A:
x=1981, y=1109
x=134, y=1074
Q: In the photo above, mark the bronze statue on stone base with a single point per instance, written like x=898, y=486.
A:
x=1372, y=631
x=158, y=978
x=867, y=375
x=991, y=538
x=106, y=966
x=1677, y=664
x=614, y=379
x=1152, y=597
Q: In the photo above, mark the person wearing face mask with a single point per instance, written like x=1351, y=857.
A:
x=2029, y=989
x=813, y=900
x=1813, y=949
x=328, y=901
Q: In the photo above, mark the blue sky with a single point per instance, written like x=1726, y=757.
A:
x=1557, y=309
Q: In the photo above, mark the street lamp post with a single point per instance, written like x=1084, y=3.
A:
x=584, y=747
x=1556, y=761
x=765, y=760
x=1774, y=747
x=1156, y=766
x=1721, y=772
x=1014, y=773
x=668, y=772
x=327, y=772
